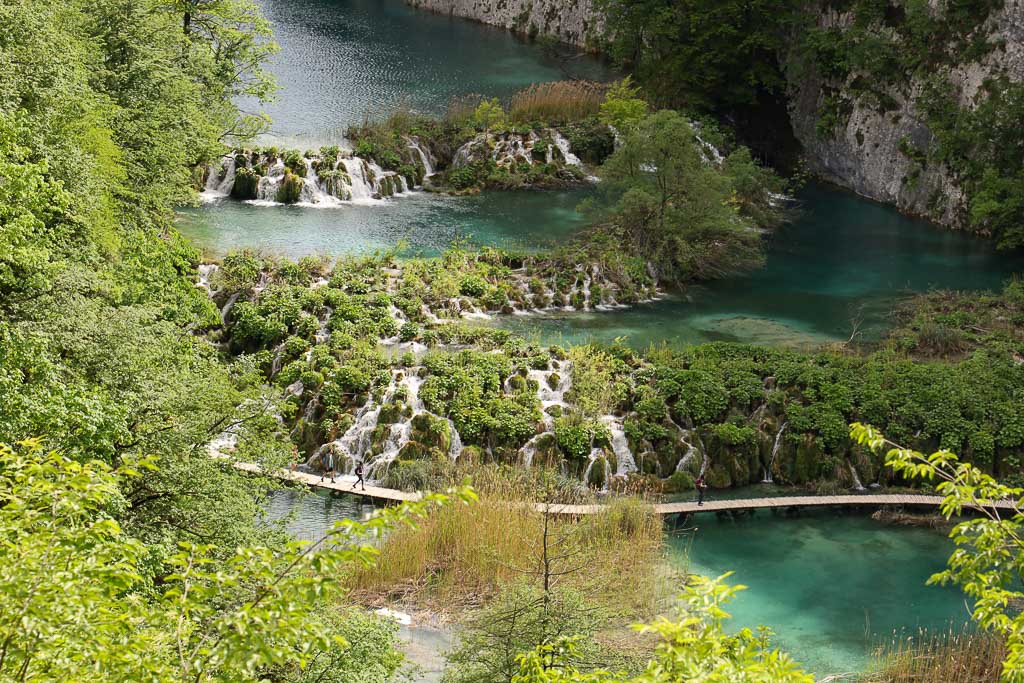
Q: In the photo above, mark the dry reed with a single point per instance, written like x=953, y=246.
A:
x=964, y=656
x=558, y=102
x=461, y=555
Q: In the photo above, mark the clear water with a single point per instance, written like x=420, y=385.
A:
x=428, y=223
x=830, y=587
x=844, y=259
x=343, y=60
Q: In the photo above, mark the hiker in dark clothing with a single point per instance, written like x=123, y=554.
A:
x=701, y=485
x=359, y=476
x=327, y=459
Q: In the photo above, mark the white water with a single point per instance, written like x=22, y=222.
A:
x=425, y=158
x=365, y=186
x=857, y=486
x=566, y=149
x=220, y=180
x=775, y=451
x=624, y=461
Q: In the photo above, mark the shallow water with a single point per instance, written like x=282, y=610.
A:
x=343, y=60
x=844, y=259
x=427, y=223
x=830, y=586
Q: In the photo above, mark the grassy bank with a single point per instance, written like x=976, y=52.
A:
x=461, y=556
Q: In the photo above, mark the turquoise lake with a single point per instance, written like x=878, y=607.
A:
x=829, y=585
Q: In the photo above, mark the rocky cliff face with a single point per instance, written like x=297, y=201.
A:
x=882, y=150
x=571, y=21
x=879, y=146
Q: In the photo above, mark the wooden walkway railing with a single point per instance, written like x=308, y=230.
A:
x=344, y=484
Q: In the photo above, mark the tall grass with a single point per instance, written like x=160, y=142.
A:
x=461, y=555
x=963, y=656
x=557, y=103
x=554, y=103
x=460, y=109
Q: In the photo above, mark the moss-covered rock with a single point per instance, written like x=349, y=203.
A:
x=247, y=184
x=432, y=432
x=291, y=188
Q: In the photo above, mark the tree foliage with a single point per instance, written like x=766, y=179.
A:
x=694, y=648
x=989, y=556
x=79, y=601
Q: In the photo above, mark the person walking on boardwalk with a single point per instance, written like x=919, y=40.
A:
x=327, y=460
x=701, y=485
x=359, y=476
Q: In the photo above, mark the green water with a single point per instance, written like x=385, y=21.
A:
x=428, y=223
x=844, y=259
x=342, y=60
x=831, y=587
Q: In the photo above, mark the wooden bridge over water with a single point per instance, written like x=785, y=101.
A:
x=343, y=484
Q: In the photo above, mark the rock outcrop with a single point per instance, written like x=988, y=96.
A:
x=879, y=150
x=571, y=21
x=882, y=151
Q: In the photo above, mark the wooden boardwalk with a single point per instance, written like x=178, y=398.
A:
x=343, y=484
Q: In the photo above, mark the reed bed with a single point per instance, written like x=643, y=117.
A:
x=558, y=102
x=461, y=555
x=461, y=109
x=954, y=656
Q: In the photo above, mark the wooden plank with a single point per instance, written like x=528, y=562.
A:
x=343, y=484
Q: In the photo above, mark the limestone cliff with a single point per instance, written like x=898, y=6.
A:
x=571, y=21
x=880, y=145
x=858, y=130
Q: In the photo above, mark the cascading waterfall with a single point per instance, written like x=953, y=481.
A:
x=775, y=451
x=624, y=461
x=857, y=486
x=455, y=449
x=325, y=183
x=219, y=180
x=425, y=158
x=548, y=396
x=206, y=271
x=566, y=149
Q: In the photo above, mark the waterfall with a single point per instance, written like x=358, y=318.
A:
x=275, y=364
x=688, y=456
x=456, y=441
x=362, y=189
x=775, y=451
x=205, y=271
x=566, y=149
x=529, y=450
x=857, y=486
x=425, y=158
x=625, y=463
x=219, y=181
x=708, y=151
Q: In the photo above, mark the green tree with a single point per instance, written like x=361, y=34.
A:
x=989, y=559
x=673, y=206
x=623, y=108
x=695, y=648
x=489, y=115
x=77, y=600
